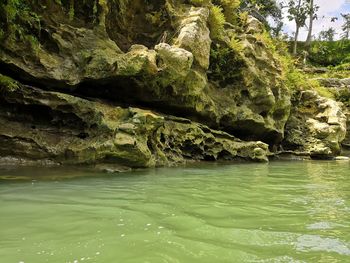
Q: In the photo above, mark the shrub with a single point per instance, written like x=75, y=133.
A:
x=329, y=53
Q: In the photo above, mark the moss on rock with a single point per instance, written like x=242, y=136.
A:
x=40, y=125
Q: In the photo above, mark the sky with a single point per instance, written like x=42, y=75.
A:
x=327, y=10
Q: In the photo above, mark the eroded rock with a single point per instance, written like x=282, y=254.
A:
x=171, y=68
x=317, y=126
x=49, y=126
x=194, y=35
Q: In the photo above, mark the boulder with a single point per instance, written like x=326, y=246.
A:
x=175, y=63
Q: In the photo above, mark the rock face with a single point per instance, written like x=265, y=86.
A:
x=174, y=68
x=251, y=86
x=334, y=82
x=346, y=141
x=340, y=88
x=101, y=82
x=43, y=125
x=317, y=126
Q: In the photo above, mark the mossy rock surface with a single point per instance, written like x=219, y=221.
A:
x=157, y=55
x=51, y=127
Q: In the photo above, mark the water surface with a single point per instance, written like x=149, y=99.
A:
x=277, y=212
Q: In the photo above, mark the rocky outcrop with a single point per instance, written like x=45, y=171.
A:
x=102, y=82
x=173, y=67
x=52, y=127
x=340, y=88
x=254, y=81
x=346, y=141
x=334, y=82
x=316, y=126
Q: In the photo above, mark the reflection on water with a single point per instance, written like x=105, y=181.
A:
x=278, y=212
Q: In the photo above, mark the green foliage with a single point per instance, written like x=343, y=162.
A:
x=7, y=83
x=324, y=92
x=341, y=71
x=19, y=10
x=33, y=42
x=343, y=66
x=216, y=22
x=297, y=80
x=155, y=18
x=265, y=7
x=221, y=11
x=230, y=4
x=19, y=23
x=329, y=53
x=230, y=8
x=71, y=10
x=200, y=2
x=343, y=95
x=226, y=65
x=265, y=10
x=236, y=44
x=346, y=26
x=327, y=35
x=294, y=79
x=122, y=7
x=298, y=11
x=266, y=39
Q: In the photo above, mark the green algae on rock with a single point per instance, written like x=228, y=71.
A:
x=44, y=125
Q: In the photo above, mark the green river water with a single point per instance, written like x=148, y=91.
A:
x=277, y=212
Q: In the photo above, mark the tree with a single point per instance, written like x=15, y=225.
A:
x=327, y=35
x=346, y=26
x=264, y=9
x=312, y=16
x=298, y=11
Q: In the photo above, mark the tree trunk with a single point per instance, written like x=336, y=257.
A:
x=296, y=40
x=311, y=22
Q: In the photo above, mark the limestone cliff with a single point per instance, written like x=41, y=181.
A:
x=98, y=81
x=44, y=125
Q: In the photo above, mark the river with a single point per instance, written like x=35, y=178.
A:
x=276, y=212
